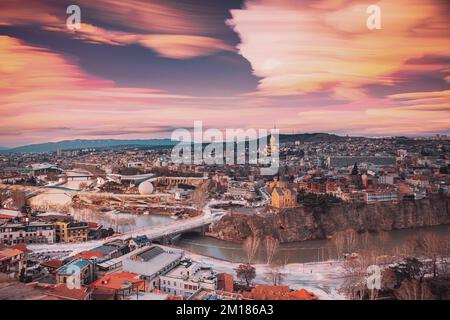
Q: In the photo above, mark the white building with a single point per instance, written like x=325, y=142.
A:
x=33, y=232
x=387, y=179
x=187, y=278
x=151, y=263
x=380, y=196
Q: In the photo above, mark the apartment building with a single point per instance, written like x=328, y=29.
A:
x=187, y=278
x=71, y=231
x=32, y=232
x=380, y=196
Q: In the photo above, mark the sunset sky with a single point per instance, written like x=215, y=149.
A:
x=141, y=68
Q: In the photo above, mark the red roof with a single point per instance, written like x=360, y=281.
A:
x=52, y=263
x=88, y=255
x=261, y=292
x=62, y=292
x=118, y=281
x=22, y=247
x=93, y=225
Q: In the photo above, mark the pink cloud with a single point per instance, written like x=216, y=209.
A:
x=325, y=45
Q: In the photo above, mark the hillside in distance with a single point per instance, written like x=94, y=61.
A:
x=84, y=144
x=113, y=143
x=311, y=137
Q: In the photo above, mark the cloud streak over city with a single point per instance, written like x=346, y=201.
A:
x=138, y=68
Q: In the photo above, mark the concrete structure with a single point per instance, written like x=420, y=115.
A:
x=151, y=263
x=284, y=198
x=33, y=232
x=187, y=278
x=346, y=161
x=380, y=196
x=71, y=231
x=146, y=187
x=39, y=169
x=11, y=261
x=76, y=273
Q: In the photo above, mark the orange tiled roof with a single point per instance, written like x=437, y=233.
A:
x=61, y=291
x=10, y=252
x=53, y=263
x=22, y=247
x=119, y=281
x=302, y=294
x=88, y=255
x=262, y=292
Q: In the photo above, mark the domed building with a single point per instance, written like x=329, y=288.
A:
x=146, y=187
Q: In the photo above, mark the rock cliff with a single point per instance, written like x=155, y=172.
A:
x=319, y=222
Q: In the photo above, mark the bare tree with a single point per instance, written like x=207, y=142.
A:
x=271, y=245
x=413, y=290
x=355, y=285
x=200, y=195
x=432, y=249
x=3, y=197
x=276, y=276
x=19, y=199
x=345, y=242
x=82, y=185
x=251, y=246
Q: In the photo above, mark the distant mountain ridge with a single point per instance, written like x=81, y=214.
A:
x=85, y=144
x=112, y=143
x=311, y=137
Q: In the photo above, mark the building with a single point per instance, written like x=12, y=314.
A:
x=211, y=295
x=32, y=232
x=11, y=261
x=262, y=292
x=380, y=196
x=78, y=272
x=386, y=179
x=346, y=161
x=138, y=242
x=225, y=282
x=120, y=285
x=187, y=278
x=63, y=292
x=151, y=263
x=71, y=231
x=40, y=169
x=354, y=196
x=284, y=198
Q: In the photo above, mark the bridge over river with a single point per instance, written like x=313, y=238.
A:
x=161, y=233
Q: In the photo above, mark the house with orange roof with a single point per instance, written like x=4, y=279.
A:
x=89, y=255
x=62, y=292
x=52, y=265
x=11, y=261
x=267, y=292
x=120, y=285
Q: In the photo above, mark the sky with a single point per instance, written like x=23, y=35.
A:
x=142, y=68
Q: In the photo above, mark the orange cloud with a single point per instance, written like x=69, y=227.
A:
x=298, y=48
x=183, y=46
x=167, y=45
x=170, y=29
x=44, y=96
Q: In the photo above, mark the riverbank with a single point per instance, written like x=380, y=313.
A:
x=308, y=251
x=321, y=222
x=323, y=279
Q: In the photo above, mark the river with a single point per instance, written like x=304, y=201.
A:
x=121, y=222
x=295, y=252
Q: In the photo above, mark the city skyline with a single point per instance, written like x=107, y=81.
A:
x=140, y=69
